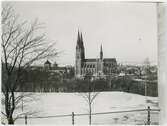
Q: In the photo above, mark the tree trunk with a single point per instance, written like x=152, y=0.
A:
x=10, y=120
x=90, y=113
x=89, y=98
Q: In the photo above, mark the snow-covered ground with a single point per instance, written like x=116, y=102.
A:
x=51, y=104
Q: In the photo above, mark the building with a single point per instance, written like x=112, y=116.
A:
x=54, y=68
x=47, y=65
x=96, y=67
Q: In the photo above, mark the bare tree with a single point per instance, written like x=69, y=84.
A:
x=89, y=96
x=22, y=45
x=23, y=100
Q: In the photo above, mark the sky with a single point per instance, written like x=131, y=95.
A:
x=127, y=31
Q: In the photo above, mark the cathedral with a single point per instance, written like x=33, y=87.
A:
x=96, y=67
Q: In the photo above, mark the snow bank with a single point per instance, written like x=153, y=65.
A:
x=50, y=104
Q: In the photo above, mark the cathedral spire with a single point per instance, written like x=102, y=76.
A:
x=101, y=52
x=82, y=47
x=81, y=40
x=78, y=39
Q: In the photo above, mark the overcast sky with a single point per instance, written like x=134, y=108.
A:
x=127, y=31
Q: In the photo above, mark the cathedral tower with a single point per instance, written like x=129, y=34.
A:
x=80, y=55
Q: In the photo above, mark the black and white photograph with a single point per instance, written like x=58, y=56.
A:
x=80, y=63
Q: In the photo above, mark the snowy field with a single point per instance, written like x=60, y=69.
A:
x=51, y=104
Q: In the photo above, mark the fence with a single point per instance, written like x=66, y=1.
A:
x=73, y=115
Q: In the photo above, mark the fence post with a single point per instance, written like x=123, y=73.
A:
x=25, y=119
x=148, y=117
x=72, y=118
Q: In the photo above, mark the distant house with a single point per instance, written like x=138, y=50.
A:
x=47, y=65
x=52, y=68
x=55, y=68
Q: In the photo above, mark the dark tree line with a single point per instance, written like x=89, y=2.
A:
x=46, y=81
x=127, y=84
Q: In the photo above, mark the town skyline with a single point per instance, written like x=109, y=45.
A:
x=127, y=31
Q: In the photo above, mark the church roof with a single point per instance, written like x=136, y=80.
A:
x=109, y=59
x=90, y=60
x=105, y=60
